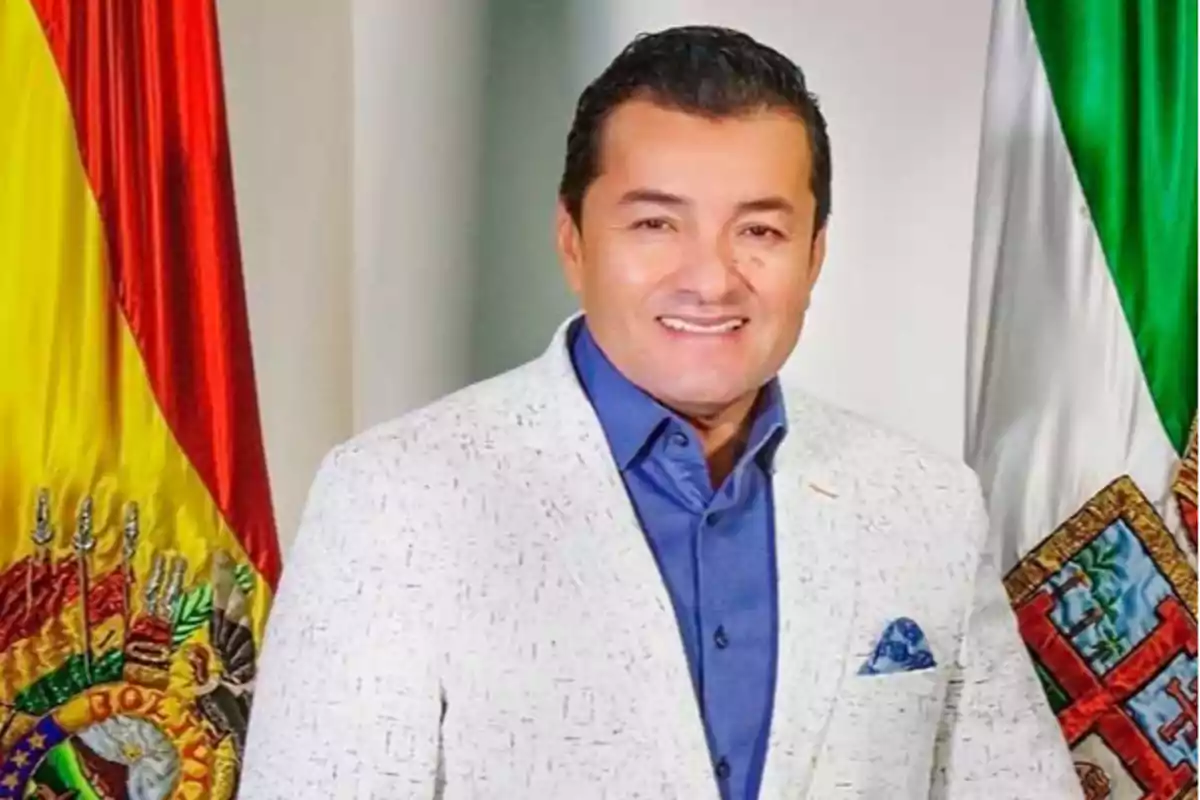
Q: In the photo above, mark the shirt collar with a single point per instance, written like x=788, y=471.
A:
x=632, y=419
x=769, y=426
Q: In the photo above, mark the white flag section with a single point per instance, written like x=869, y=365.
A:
x=1058, y=404
x=1064, y=426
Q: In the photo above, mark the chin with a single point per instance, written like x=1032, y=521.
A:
x=699, y=400
x=695, y=386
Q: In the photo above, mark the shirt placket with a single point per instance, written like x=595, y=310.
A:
x=719, y=519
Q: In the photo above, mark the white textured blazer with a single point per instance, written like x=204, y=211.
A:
x=471, y=610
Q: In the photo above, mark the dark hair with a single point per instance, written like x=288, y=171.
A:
x=704, y=70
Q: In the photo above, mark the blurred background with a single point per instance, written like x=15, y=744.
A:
x=396, y=165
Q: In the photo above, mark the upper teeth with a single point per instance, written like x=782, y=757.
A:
x=677, y=324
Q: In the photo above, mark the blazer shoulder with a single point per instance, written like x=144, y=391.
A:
x=379, y=492
x=874, y=454
x=420, y=490
x=472, y=437
x=452, y=425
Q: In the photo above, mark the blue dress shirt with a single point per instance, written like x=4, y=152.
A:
x=715, y=550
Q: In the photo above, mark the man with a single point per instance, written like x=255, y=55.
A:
x=638, y=566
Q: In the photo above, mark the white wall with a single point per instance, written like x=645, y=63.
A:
x=530, y=95
x=417, y=86
x=901, y=85
x=287, y=92
x=353, y=134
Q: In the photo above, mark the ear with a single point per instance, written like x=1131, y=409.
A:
x=816, y=258
x=568, y=241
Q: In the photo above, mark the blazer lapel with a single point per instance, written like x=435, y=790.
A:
x=815, y=534
x=610, y=561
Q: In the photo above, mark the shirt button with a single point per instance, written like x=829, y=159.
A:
x=723, y=770
x=720, y=638
x=712, y=518
x=679, y=439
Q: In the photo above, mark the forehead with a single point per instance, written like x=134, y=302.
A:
x=761, y=151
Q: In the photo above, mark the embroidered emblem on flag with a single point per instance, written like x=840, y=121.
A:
x=1107, y=607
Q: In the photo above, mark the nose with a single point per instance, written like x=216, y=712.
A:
x=709, y=271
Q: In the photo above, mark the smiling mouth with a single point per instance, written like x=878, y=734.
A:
x=709, y=327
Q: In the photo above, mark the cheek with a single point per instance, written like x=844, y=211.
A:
x=630, y=267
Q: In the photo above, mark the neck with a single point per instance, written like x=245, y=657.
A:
x=723, y=433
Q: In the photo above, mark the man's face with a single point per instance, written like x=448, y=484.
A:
x=696, y=252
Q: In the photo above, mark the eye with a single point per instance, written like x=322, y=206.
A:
x=765, y=232
x=657, y=224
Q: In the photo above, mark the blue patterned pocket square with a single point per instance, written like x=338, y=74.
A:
x=902, y=648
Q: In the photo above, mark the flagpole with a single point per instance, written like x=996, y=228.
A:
x=43, y=535
x=84, y=542
x=128, y=550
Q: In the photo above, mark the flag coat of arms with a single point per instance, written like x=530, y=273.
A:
x=1082, y=371
x=138, y=553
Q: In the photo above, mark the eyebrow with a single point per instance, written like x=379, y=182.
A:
x=659, y=197
x=634, y=196
x=773, y=203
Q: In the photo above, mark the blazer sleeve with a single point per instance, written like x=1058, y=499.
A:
x=998, y=736
x=348, y=702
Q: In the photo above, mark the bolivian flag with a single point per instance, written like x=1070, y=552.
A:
x=1082, y=371
x=138, y=552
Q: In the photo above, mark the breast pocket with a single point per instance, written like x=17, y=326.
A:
x=881, y=736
